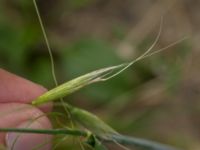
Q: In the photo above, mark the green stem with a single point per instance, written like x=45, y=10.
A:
x=121, y=139
x=46, y=131
x=142, y=143
x=46, y=41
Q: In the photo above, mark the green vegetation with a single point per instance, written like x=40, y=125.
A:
x=124, y=102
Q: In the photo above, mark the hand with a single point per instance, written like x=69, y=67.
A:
x=16, y=95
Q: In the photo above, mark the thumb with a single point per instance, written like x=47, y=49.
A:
x=19, y=141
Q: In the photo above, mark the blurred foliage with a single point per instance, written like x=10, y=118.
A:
x=85, y=36
x=90, y=54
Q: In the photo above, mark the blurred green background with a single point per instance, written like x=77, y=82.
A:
x=157, y=98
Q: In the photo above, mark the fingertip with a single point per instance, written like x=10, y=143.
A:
x=16, y=141
x=17, y=89
x=15, y=115
x=46, y=107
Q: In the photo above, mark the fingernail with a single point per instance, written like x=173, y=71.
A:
x=22, y=141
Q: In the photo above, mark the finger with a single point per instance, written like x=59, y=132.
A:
x=17, y=115
x=29, y=141
x=16, y=89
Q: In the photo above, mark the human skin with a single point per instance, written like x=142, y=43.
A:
x=16, y=111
